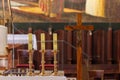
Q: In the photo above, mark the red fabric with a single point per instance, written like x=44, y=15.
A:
x=48, y=66
x=23, y=66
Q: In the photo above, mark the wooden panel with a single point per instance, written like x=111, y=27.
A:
x=89, y=46
x=84, y=42
x=109, y=46
x=116, y=47
x=98, y=46
x=69, y=48
x=61, y=46
x=74, y=43
x=106, y=67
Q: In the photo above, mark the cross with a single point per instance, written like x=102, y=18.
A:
x=78, y=28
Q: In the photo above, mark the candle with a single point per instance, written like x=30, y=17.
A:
x=42, y=41
x=54, y=41
x=30, y=41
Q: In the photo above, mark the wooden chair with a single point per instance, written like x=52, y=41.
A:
x=23, y=59
x=23, y=56
x=96, y=74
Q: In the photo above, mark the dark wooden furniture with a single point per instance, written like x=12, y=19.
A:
x=23, y=56
x=96, y=74
x=115, y=75
x=110, y=70
x=70, y=70
x=23, y=59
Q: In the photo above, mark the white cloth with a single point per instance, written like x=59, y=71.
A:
x=33, y=78
x=95, y=7
x=3, y=40
x=21, y=39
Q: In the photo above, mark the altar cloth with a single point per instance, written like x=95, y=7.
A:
x=33, y=78
x=21, y=39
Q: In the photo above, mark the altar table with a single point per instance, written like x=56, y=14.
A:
x=21, y=39
x=33, y=78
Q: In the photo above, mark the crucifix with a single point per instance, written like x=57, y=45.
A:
x=79, y=27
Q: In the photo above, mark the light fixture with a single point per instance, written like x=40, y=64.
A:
x=50, y=30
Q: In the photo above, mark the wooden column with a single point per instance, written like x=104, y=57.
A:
x=109, y=46
x=69, y=48
x=78, y=28
x=61, y=47
x=89, y=47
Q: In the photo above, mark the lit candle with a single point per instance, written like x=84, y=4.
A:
x=42, y=41
x=54, y=41
x=30, y=41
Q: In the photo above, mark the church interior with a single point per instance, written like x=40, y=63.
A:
x=59, y=40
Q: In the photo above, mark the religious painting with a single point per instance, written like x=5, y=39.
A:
x=63, y=10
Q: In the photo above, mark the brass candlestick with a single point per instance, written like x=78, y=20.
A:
x=55, y=53
x=42, y=63
x=30, y=50
x=43, y=54
x=30, y=73
x=55, y=73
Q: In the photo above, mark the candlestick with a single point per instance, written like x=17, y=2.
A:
x=43, y=54
x=55, y=53
x=30, y=73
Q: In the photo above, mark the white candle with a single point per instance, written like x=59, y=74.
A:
x=30, y=41
x=42, y=41
x=54, y=41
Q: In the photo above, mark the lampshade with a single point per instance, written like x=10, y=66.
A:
x=95, y=7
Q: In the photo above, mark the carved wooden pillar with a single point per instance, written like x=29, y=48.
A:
x=89, y=47
x=98, y=46
x=69, y=48
x=116, y=54
x=109, y=46
x=61, y=46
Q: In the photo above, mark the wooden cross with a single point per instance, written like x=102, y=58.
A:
x=79, y=27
